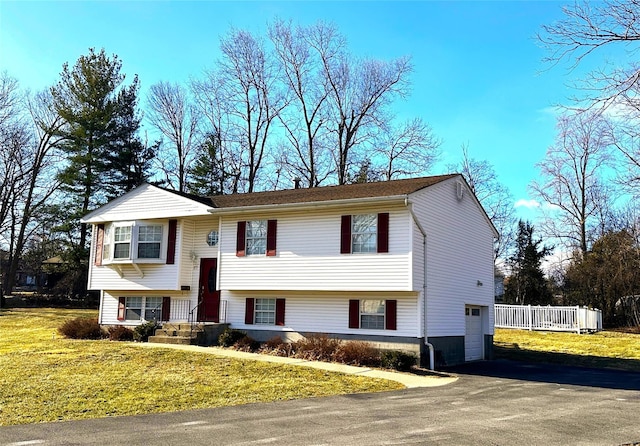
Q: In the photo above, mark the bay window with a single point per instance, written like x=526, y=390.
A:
x=134, y=241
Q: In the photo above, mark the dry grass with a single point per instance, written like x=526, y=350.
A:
x=604, y=349
x=45, y=377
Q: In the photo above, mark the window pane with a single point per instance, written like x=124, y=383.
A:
x=153, y=308
x=372, y=306
x=133, y=307
x=372, y=322
x=150, y=233
x=149, y=250
x=106, y=252
x=121, y=251
x=257, y=228
x=256, y=246
x=365, y=223
x=122, y=233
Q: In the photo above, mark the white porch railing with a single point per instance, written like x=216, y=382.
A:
x=577, y=319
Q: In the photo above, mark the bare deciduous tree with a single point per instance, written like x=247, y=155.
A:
x=306, y=155
x=40, y=181
x=407, y=150
x=494, y=197
x=614, y=86
x=360, y=90
x=573, y=174
x=252, y=101
x=173, y=115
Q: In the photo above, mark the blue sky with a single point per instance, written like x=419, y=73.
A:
x=478, y=77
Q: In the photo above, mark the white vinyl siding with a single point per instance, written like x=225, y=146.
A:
x=459, y=254
x=319, y=312
x=309, y=256
x=147, y=202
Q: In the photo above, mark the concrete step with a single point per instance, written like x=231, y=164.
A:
x=182, y=332
x=183, y=340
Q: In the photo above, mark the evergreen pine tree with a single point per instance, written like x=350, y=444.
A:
x=527, y=284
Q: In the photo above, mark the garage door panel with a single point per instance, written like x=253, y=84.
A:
x=473, y=334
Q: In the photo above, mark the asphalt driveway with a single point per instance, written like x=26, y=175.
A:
x=492, y=403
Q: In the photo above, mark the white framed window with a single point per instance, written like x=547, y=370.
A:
x=364, y=233
x=106, y=243
x=256, y=237
x=149, y=241
x=212, y=238
x=265, y=311
x=142, y=308
x=134, y=241
x=122, y=242
x=133, y=309
x=372, y=314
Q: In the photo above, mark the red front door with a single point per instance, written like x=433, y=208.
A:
x=209, y=307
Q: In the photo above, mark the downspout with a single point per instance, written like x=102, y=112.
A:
x=424, y=282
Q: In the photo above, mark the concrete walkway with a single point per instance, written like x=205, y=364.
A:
x=409, y=380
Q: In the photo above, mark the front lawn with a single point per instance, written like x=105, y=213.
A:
x=44, y=377
x=606, y=349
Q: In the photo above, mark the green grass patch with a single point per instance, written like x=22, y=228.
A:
x=605, y=349
x=45, y=377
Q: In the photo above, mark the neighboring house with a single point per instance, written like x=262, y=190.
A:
x=406, y=264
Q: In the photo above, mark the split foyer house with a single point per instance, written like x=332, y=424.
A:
x=405, y=264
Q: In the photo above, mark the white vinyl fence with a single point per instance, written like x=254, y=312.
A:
x=527, y=317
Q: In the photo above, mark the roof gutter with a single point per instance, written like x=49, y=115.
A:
x=306, y=205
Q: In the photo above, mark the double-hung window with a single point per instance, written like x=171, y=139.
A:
x=256, y=237
x=265, y=311
x=122, y=242
x=149, y=241
x=372, y=314
x=364, y=233
x=364, y=230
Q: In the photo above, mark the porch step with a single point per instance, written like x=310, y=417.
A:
x=178, y=334
x=182, y=340
x=200, y=334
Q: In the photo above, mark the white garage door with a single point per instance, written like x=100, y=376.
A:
x=473, y=334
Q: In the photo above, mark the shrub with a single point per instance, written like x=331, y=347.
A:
x=397, y=360
x=142, y=332
x=316, y=347
x=82, y=328
x=230, y=336
x=246, y=344
x=276, y=346
x=120, y=333
x=358, y=353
